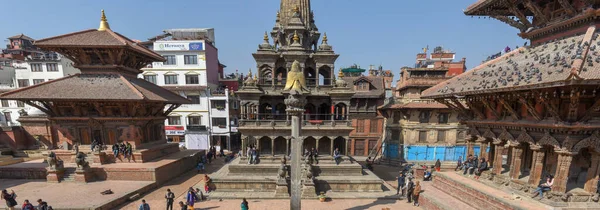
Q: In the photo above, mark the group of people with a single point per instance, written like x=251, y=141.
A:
x=312, y=155
x=123, y=149
x=11, y=202
x=252, y=154
x=472, y=165
x=406, y=187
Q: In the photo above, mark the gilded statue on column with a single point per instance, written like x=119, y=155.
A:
x=295, y=78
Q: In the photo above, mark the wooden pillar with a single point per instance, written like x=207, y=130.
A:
x=498, y=157
x=537, y=165
x=562, y=171
x=592, y=175
x=469, y=148
x=482, y=148
x=515, y=165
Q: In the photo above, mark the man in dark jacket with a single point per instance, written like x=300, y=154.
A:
x=474, y=165
x=410, y=188
x=42, y=205
x=467, y=164
x=401, y=180
x=482, y=167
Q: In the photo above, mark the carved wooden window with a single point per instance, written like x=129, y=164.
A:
x=443, y=118
x=441, y=136
x=170, y=60
x=422, y=136
x=51, y=67
x=374, y=126
x=360, y=126
x=190, y=59
x=362, y=86
x=424, y=116
x=37, y=81
x=150, y=78
x=36, y=67
x=174, y=120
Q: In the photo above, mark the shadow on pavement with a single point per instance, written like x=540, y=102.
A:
x=380, y=201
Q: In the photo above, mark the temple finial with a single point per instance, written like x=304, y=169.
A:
x=103, y=23
x=340, y=74
x=325, y=38
x=266, y=37
x=296, y=38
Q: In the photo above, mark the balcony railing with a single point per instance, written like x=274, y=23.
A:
x=283, y=120
x=282, y=81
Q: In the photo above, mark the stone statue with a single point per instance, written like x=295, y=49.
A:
x=295, y=78
x=309, y=173
x=52, y=161
x=80, y=161
x=250, y=81
x=282, y=172
x=283, y=160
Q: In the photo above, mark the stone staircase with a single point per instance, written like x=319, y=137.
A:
x=69, y=175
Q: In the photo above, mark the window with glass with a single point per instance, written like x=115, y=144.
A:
x=360, y=126
x=23, y=82
x=441, y=136
x=190, y=59
x=194, y=98
x=4, y=103
x=195, y=120
x=51, y=67
x=150, y=78
x=20, y=104
x=217, y=104
x=362, y=86
x=374, y=126
x=170, y=79
x=174, y=120
x=219, y=121
x=37, y=67
x=170, y=60
x=7, y=117
x=37, y=81
x=192, y=79
x=443, y=118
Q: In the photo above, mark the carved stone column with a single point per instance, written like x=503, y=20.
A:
x=287, y=146
x=592, y=175
x=537, y=165
x=562, y=171
x=273, y=146
x=331, y=145
x=499, y=149
x=244, y=144
x=481, y=141
x=317, y=143
x=295, y=107
x=515, y=165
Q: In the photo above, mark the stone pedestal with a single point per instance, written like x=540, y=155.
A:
x=54, y=175
x=282, y=190
x=83, y=175
x=309, y=190
x=100, y=158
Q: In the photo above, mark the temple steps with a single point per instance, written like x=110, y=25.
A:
x=477, y=195
x=69, y=175
x=433, y=198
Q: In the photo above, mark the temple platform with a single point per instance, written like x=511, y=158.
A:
x=140, y=155
x=450, y=190
x=238, y=179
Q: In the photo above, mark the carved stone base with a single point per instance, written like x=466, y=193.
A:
x=282, y=190
x=83, y=175
x=309, y=190
x=54, y=175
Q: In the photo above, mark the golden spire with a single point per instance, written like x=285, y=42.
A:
x=325, y=37
x=296, y=38
x=266, y=37
x=340, y=74
x=297, y=9
x=103, y=23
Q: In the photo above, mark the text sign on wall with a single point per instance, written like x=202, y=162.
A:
x=174, y=130
x=196, y=46
x=183, y=46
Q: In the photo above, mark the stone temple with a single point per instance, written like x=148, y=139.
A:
x=265, y=124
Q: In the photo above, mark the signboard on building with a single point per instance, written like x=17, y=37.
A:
x=174, y=130
x=179, y=46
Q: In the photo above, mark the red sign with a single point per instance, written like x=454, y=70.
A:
x=177, y=128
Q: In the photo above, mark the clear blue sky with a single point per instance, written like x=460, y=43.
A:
x=387, y=32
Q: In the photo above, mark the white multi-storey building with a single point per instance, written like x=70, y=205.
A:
x=191, y=70
x=34, y=70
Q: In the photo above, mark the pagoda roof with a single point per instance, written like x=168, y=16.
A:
x=21, y=36
x=96, y=86
x=416, y=105
x=570, y=60
x=376, y=82
x=96, y=38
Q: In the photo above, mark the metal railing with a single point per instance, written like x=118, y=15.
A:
x=309, y=81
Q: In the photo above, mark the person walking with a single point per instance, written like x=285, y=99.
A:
x=42, y=205
x=254, y=155
x=401, y=179
x=244, y=204
x=410, y=189
x=115, y=149
x=10, y=199
x=206, y=183
x=27, y=205
x=129, y=151
x=438, y=165
x=170, y=197
x=191, y=197
x=144, y=206
x=182, y=206
x=416, y=193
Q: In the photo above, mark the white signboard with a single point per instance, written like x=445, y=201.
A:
x=175, y=132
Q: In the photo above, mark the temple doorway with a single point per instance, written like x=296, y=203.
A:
x=309, y=143
x=264, y=145
x=280, y=146
x=340, y=143
x=324, y=146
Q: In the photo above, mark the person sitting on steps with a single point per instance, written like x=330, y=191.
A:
x=544, y=187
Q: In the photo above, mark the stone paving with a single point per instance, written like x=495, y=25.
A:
x=69, y=195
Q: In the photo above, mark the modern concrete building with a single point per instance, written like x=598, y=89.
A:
x=192, y=70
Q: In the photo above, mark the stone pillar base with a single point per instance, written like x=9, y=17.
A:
x=100, y=158
x=54, y=175
x=281, y=190
x=83, y=175
x=309, y=190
